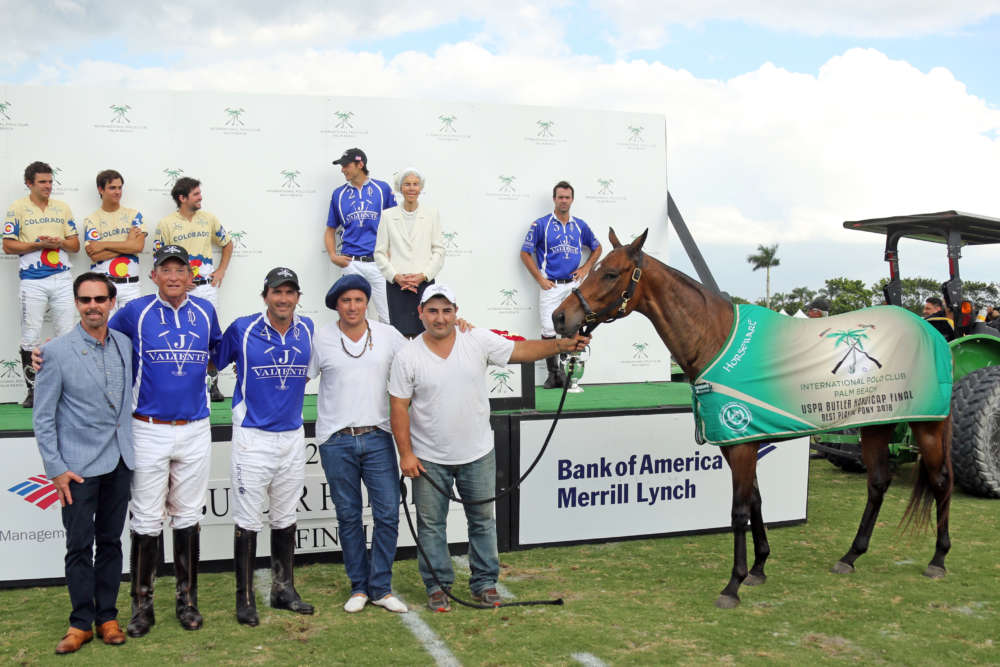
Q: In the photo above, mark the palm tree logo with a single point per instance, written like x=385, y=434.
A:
x=507, y=297
x=501, y=376
x=640, y=350
x=606, y=186
x=239, y=239
x=3, y=109
x=449, y=239
x=447, y=123
x=120, y=111
x=345, y=119
x=765, y=258
x=55, y=175
x=507, y=183
x=852, y=338
x=234, y=116
x=10, y=367
x=545, y=128
x=635, y=134
x=172, y=176
x=290, y=177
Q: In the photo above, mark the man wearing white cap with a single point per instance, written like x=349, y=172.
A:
x=440, y=417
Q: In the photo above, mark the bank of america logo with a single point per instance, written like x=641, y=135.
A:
x=37, y=490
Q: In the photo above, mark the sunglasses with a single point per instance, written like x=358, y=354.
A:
x=96, y=299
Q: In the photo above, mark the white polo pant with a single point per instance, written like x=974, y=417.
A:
x=171, y=474
x=207, y=292
x=126, y=292
x=548, y=301
x=53, y=294
x=268, y=469
x=369, y=271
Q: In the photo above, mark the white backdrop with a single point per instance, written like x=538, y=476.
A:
x=266, y=172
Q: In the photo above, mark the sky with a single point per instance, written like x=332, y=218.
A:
x=784, y=117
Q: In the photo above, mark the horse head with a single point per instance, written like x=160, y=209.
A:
x=609, y=292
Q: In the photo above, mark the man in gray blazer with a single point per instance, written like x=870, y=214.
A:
x=83, y=425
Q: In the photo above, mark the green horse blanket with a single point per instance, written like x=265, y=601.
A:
x=778, y=376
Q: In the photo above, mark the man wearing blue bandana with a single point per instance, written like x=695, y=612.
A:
x=356, y=209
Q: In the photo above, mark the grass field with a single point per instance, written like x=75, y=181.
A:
x=636, y=602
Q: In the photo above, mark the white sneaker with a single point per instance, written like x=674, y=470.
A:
x=355, y=603
x=391, y=603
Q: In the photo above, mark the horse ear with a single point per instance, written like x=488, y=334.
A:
x=613, y=238
x=635, y=246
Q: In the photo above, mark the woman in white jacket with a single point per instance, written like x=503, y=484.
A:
x=409, y=251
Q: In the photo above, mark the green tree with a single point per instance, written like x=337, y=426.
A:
x=846, y=294
x=765, y=258
x=793, y=301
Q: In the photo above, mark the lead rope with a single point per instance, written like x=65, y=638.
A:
x=447, y=494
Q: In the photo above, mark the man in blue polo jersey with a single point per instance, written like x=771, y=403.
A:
x=271, y=352
x=552, y=251
x=356, y=208
x=173, y=334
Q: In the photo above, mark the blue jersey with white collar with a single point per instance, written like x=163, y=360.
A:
x=557, y=247
x=270, y=371
x=171, y=349
x=358, y=211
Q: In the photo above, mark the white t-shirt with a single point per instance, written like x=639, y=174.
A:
x=352, y=390
x=449, y=406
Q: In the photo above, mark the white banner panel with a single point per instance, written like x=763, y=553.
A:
x=266, y=172
x=605, y=477
x=33, y=542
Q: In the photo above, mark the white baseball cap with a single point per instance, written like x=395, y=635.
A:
x=437, y=289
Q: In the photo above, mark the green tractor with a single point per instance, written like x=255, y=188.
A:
x=975, y=349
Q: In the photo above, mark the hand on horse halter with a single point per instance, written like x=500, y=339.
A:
x=575, y=344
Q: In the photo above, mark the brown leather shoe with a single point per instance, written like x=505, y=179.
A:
x=73, y=640
x=111, y=633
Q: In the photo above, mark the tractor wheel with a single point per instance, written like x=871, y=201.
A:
x=851, y=460
x=975, y=441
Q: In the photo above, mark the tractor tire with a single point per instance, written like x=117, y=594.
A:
x=851, y=460
x=975, y=441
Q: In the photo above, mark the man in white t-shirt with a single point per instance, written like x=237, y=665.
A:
x=440, y=415
x=352, y=357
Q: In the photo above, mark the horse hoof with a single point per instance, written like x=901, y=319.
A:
x=935, y=572
x=842, y=568
x=727, y=602
x=755, y=579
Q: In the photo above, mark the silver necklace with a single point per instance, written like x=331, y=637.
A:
x=364, y=348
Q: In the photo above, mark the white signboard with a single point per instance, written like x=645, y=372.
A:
x=33, y=542
x=605, y=477
x=265, y=166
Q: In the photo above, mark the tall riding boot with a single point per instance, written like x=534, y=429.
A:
x=29, y=379
x=283, y=593
x=556, y=378
x=244, y=552
x=213, y=389
x=186, y=553
x=145, y=554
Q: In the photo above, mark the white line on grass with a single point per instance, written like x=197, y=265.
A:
x=428, y=638
x=463, y=561
x=588, y=659
x=262, y=584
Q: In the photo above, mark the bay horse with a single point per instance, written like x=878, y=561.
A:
x=694, y=323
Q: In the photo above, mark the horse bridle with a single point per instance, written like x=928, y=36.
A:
x=592, y=319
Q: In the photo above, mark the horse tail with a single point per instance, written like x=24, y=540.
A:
x=918, y=511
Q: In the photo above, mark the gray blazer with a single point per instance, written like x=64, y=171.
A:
x=68, y=400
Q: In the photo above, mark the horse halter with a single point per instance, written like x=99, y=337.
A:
x=616, y=309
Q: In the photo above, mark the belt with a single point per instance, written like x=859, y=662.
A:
x=202, y=281
x=362, y=258
x=126, y=279
x=561, y=281
x=356, y=430
x=154, y=420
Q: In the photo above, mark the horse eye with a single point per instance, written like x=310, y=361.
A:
x=611, y=276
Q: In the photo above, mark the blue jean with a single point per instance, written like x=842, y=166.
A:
x=475, y=480
x=347, y=461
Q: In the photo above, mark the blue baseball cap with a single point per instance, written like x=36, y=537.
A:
x=347, y=282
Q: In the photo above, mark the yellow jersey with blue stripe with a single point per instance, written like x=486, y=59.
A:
x=196, y=235
x=26, y=222
x=113, y=226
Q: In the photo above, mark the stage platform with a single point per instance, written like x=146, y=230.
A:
x=601, y=397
